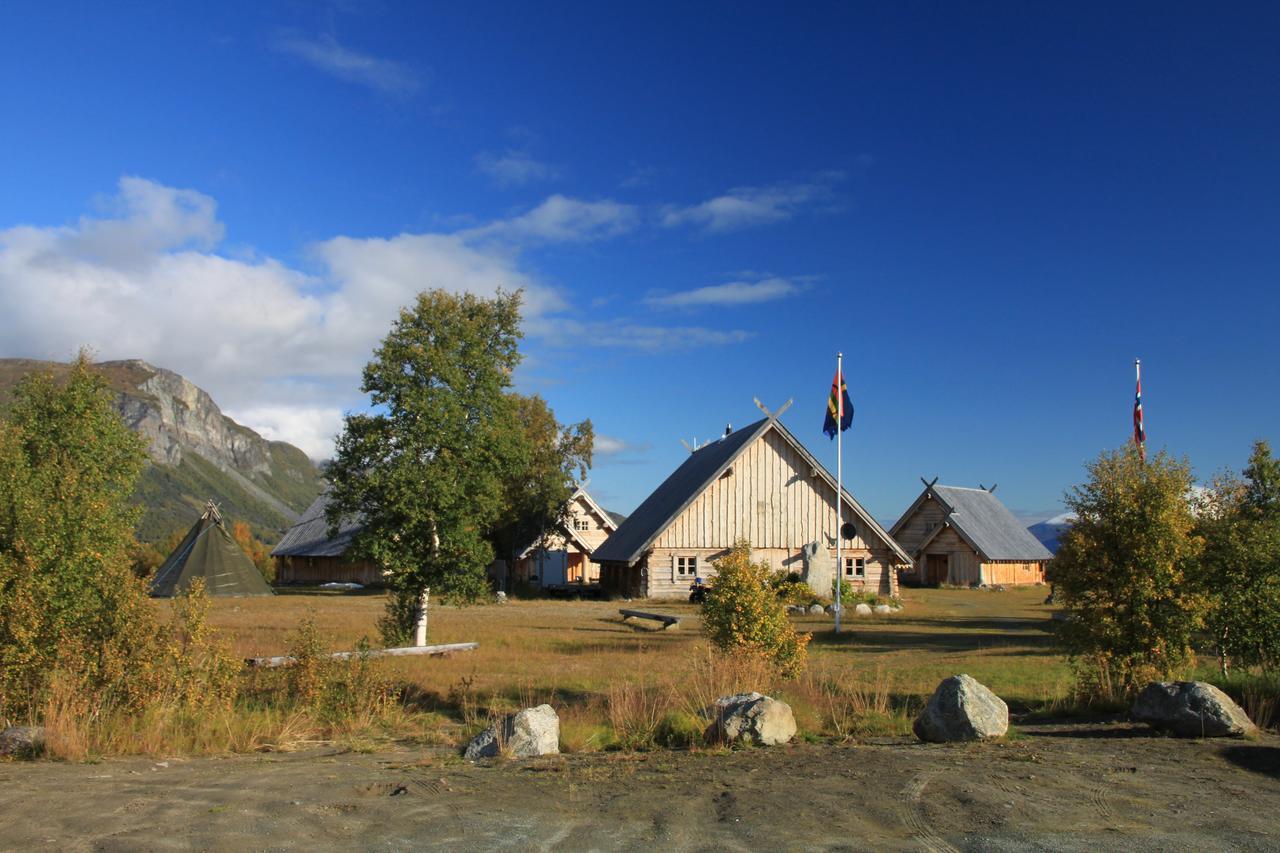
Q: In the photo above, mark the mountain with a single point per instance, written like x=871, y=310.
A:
x=1050, y=530
x=195, y=453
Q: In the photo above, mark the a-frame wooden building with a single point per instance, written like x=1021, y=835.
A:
x=759, y=484
x=967, y=537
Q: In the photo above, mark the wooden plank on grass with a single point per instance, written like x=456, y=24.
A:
x=430, y=651
x=667, y=621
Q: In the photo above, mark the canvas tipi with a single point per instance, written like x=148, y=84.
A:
x=209, y=552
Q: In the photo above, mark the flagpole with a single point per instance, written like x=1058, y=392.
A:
x=839, y=479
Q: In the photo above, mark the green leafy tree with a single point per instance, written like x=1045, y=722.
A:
x=1125, y=570
x=70, y=603
x=551, y=459
x=1240, y=524
x=426, y=468
x=742, y=614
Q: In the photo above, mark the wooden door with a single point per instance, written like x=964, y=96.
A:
x=575, y=571
x=937, y=569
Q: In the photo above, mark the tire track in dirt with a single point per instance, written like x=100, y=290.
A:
x=913, y=818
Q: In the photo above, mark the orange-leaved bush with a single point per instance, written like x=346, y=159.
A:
x=742, y=614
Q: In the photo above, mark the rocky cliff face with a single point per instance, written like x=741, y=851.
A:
x=197, y=452
x=177, y=417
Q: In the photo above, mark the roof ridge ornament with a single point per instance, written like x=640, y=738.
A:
x=773, y=416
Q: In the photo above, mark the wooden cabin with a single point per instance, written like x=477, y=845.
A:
x=967, y=537
x=562, y=556
x=759, y=484
x=308, y=555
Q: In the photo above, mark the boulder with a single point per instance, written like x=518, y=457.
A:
x=883, y=609
x=816, y=609
x=500, y=597
x=962, y=709
x=750, y=718
x=1191, y=709
x=863, y=609
x=831, y=609
x=531, y=732
x=21, y=740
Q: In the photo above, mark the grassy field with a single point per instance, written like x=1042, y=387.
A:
x=614, y=682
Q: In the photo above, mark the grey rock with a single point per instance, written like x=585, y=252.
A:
x=751, y=718
x=882, y=609
x=962, y=709
x=1191, y=709
x=831, y=609
x=21, y=740
x=501, y=597
x=531, y=732
x=816, y=609
x=863, y=609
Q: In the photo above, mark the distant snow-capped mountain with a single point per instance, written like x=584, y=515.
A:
x=1050, y=530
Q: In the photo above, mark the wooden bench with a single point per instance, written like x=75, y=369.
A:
x=667, y=621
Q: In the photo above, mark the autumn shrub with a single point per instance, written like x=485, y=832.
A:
x=791, y=588
x=742, y=614
x=1125, y=574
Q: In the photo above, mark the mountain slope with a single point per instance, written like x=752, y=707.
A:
x=195, y=453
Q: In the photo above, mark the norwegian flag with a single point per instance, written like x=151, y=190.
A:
x=1139, y=433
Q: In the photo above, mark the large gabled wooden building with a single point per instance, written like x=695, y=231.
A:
x=967, y=537
x=759, y=484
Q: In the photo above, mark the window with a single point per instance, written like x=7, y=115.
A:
x=855, y=567
x=581, y=524
x=686, y=567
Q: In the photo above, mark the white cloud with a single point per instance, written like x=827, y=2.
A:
x=747, y=207
x=324, y=53
x=560, y=219
x=311, y=428
x=278, y=346
x=624, y=334
x=610, y=449
x=732, y=293
x=514, y=168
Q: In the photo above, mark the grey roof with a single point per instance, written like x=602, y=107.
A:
x=310, y=536
x=989, y=527
x=691, y=479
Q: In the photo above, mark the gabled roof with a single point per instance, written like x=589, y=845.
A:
x=703, y=467
x=310, y=536
x=605, y=517
x=984, y=522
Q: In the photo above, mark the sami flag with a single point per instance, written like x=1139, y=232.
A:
x=839, y=408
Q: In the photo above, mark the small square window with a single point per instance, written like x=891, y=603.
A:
x=581, y=524
x=686, y=567
x=855, y=567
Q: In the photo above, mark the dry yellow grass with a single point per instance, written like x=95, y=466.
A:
x=577, y=654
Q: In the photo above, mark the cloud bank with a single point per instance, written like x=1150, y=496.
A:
x=279, y=347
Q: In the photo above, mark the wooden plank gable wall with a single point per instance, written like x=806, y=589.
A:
x=774, y=499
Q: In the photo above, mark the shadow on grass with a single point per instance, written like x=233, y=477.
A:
x=1264, y=760
x=861, y=639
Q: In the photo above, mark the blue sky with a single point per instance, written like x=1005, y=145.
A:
x=992, y=209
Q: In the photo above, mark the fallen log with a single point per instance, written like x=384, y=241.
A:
x=430, y=651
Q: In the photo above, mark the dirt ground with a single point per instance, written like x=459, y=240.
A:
x=1099, y=786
